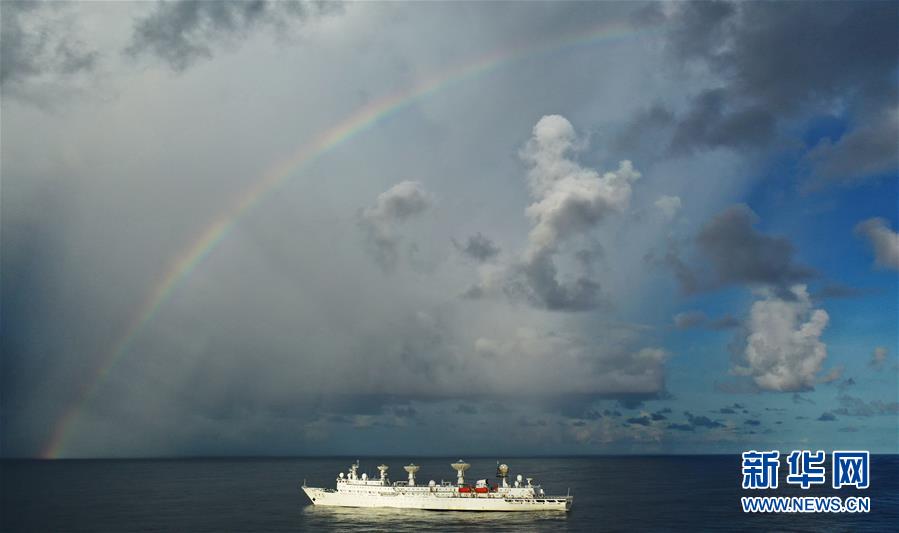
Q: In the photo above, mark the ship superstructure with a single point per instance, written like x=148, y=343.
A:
x=355, y=490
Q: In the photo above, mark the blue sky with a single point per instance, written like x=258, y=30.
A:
x=559, y=227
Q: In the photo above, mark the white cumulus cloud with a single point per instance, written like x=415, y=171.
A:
x=784, y=351
x=568, y=198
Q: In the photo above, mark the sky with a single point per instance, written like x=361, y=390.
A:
x=249, y=228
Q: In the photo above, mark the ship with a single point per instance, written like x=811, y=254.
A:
x=355, y=490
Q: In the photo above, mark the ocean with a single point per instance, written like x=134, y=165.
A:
x=612, y=493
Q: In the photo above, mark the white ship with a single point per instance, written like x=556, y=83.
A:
x=354, y=490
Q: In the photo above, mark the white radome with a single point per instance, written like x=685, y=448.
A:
x=354, y=490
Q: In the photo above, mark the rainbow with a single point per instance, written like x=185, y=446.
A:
x=363, y=119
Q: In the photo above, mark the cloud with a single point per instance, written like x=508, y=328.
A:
x=184, y=31
x=837, y=290
x=698, y=319
x=834, y=374
x=846, y=383
x=868, y=150
x=883, y=240
x=730, y=251
x=827, y=417
x=398, y=204
x=689, y=319
x=536, y=280
x=569, y=201
x=533, y=356
x=38, y=41
x=800, y=399
x=769, y=64
x=699, y=421
x=466, y=409
x=784, y=351
x=710, y=122
x=853, y=406
x=668, y=205
x=643, y=420
x=878, y=357
x=741, y=255
x=478, y=247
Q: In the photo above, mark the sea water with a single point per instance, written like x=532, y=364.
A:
x=612, y=493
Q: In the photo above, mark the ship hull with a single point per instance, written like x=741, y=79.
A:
x=438, y=502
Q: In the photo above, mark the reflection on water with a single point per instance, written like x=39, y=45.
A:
x=374, y=519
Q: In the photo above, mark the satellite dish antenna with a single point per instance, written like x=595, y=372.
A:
x=460, y=467
x=412, y=469
x=383, y=470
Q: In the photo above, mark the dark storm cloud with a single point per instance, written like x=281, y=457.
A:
x=752, y=422
x=777, y=63
x=741, y=254
x=709, y=123
x=826, y=417
x=737, y=254
x=179, y=33
x=478, y=247
x=36, y=40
